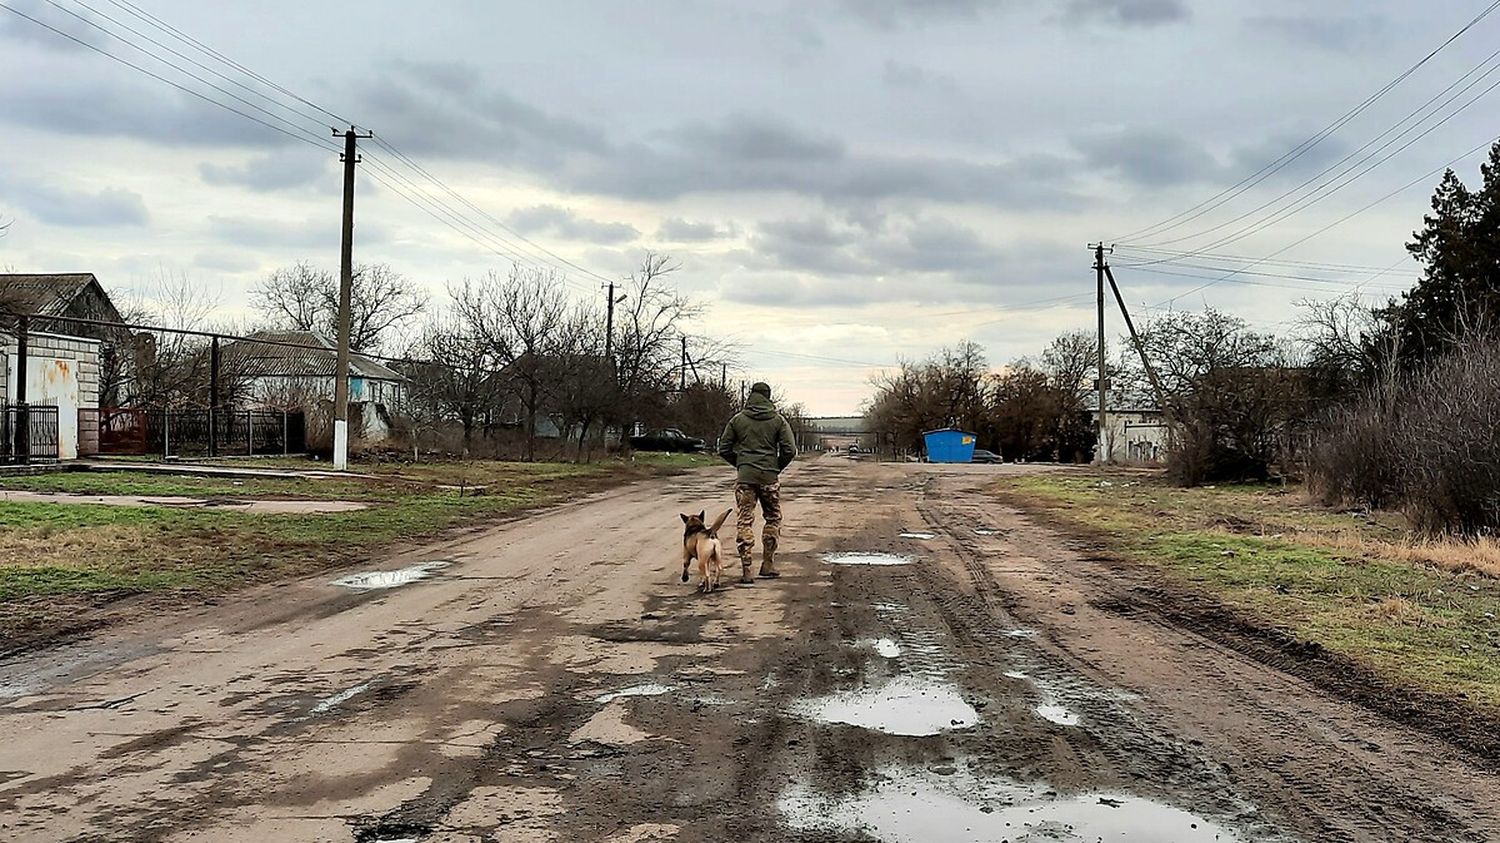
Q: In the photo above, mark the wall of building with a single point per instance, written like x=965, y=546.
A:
x=61, y=370
x=1134, y=436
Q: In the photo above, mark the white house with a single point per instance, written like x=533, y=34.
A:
x=295, y=370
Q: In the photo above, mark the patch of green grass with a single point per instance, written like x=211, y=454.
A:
x=1284, y=561
x=668, y=460
x=52, y=551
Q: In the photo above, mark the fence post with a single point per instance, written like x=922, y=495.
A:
x=285, y=446
x=249, y=434
x=23, y=408
x=166, y=432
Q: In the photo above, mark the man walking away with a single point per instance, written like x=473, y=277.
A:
x=758, y=442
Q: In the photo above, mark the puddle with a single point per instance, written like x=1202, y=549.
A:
x=909, y=806
x=909, y=705
x=1020, y=633
x=372, y=580
x=1054, y=713
x=886, y=647
x=888, y=608
x=918, y=536
x=327, y=704
x=987, y=531
x=1015, y=674
x=866, y=559
x=649, y=689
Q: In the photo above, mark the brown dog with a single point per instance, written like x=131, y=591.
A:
x=701, y=542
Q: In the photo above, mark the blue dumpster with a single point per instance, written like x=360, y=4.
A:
x=949, y=445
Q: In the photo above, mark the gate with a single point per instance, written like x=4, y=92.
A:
x=38, y=442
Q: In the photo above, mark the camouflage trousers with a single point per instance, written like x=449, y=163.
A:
x=746, y=496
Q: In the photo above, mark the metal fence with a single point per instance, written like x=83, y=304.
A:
x=197, y=432
x=36, y=440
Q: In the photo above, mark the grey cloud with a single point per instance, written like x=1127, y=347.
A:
x=1142, y=13
x=223, y=261
x=264, y=233
x=56, y=204
x=447, y=109
x=125, y=107
x=281, y=170
x=1148, y=157
x=564, y=223
x=901, y=75
x=1345, y=35
x=890, y=14
x=17, y=28
x=679, y=230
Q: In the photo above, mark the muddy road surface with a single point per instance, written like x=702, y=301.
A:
x=979, y=678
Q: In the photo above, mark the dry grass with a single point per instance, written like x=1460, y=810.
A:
x=1480, y=557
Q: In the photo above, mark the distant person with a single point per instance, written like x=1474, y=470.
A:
x=758, y=442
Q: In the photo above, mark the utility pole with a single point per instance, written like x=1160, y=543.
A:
x=346, y=284
x=213, y=397
x=682, y=377
x=609, y=326
x=723, y=375
x=1100, y=455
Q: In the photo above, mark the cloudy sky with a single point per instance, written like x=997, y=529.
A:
x=845, y=182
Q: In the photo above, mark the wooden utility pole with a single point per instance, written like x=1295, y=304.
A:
x=682, y=378
x=609, y=325
x=1100, y=454
x=346, y=285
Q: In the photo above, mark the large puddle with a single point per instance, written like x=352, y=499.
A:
x=370, y=580
x=907, y=705
x=867, y=559
x=953, y=806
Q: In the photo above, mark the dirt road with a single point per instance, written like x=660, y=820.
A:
x=551, y=680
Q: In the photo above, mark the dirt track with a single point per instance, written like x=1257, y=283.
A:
x=1027, y=690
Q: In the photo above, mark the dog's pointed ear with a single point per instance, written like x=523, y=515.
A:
x=702, y=514
x=683, y=517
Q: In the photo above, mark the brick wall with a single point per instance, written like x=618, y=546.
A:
x=84, y=354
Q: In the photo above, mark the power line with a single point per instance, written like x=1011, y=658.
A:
x=1332, y=185
x=154, y=75
x=1218, y=256
x=1302, y=148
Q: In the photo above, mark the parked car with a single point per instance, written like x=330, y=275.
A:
x=668, y=439
x=981, y=455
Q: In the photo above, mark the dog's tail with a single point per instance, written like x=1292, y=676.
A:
x=719, y=522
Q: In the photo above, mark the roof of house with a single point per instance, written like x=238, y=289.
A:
x=299, y=354
x=50, y=294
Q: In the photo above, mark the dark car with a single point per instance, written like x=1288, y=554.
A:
x=669, y=439
x=981, y=455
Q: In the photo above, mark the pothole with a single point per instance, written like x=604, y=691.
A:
x=908, y=705
x=1054, y=713
x=649, y=689
x=951, y=805
x=373, y=580
x=883, y=647
x=859, y=558
x=327, y=704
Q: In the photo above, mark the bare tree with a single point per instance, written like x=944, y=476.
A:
x=302, y=297
x=649, y=327
x=521, y=318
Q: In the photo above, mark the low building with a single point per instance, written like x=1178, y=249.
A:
x=69, y=364
x=294, y=370
x=1133, y=434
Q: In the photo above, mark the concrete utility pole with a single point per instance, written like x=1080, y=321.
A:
x=682, y=379
x=346, y=284
x=1101, y=456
